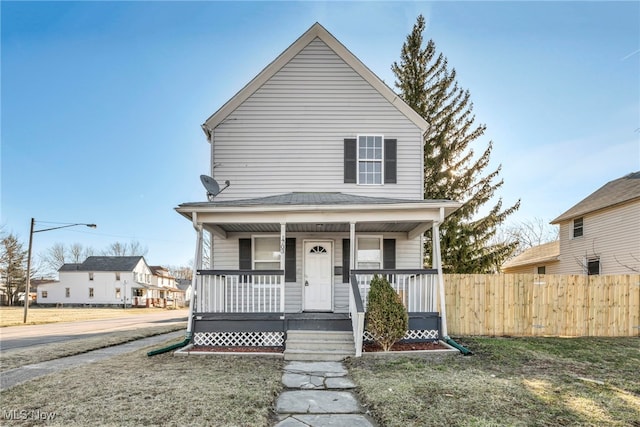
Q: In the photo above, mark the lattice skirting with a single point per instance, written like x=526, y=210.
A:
x=430, y=335
x=249, y=339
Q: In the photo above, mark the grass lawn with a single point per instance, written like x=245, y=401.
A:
x=10, y=359
x=14, y=316
x=167, y=390
x=508, y=381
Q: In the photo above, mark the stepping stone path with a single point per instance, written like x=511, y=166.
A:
x=319, y=394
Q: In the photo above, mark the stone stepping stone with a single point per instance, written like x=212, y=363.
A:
x=317, y=402
x=342, y=420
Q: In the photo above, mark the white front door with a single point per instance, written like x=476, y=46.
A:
x=318, y=277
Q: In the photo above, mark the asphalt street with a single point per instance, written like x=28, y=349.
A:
x=16, y=337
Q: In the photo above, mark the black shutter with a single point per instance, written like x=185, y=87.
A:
x=346, y=258
x=389, y=254
x=244, y=254
x=390, y=161
x=290, y=260
x=350, y=161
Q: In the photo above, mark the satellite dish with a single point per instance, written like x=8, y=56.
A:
x=212, y=186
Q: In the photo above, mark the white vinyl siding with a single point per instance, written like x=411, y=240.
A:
x=289, y=135
x=225, y=256
x=612, y=235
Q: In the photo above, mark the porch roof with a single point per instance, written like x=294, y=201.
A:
x=318, y=212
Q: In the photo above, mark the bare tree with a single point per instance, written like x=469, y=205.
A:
x=59, y=254
x=531, y=233
x=125, y=249
x=181, y=272
x=12, y=267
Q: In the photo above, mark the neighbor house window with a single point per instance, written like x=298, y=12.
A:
x=45, y=294
x=266, y=253
x=542, y=270
x=593, y=266
x=577, y=227
x=90, y=292
x=369, y=252
x=67, y=292
x=370, y=157
x=118, y=295
x=139, y=292
x=117, y=275
x=90, y=276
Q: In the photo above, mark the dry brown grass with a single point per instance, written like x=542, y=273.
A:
x=14, y=316
x=10, y=359
x=518, y=381
x=134, y=389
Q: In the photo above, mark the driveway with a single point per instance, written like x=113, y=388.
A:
x=15, y=337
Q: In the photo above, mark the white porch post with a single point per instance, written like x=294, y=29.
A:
x=352, y=248
x=437, y=261
x=283, y=247
x=197, y=260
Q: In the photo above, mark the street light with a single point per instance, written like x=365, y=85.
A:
x=31, y=233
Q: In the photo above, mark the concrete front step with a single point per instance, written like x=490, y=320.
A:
x=318, y=345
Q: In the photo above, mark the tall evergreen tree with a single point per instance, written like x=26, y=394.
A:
x=451, y=169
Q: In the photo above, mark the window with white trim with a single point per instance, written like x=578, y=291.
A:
x=370, y=159
x=266, y=253
x=45, y=294
x=369, y=252
x=90, y=275
x=118, y=294
x=90, y=292
x=578, y=227
x=67, y=292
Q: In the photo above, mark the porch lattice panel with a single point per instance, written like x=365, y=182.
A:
x=232, y=339
x=424, y=334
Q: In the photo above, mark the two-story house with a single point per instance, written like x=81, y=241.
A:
x=599, y=235
x=102, y=281
x=325, y=164
x=169, y=294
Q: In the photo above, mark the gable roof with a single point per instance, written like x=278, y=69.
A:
x=612, y=193
x=105, y=263
x=547, y=252
x=316, y=31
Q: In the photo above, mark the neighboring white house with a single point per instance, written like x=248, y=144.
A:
x=599, y=235
x=168, y=291
x=103, y=280
x=325, y=163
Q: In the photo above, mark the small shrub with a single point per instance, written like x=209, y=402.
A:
x=387, y=320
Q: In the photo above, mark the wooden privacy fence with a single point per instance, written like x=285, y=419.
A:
x=543, y=305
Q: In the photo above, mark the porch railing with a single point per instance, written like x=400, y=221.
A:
x=418, y=289
x=240, y=291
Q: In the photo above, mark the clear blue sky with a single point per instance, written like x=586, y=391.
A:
x=102, y=101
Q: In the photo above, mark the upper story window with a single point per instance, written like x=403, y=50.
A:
x=90, y=276
x=578, y=227
x=541, y=270
x=117, y=275
x=370, y=160
x=370, y=155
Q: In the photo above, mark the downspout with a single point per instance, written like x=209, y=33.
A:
x=196, y=265
x=437, y=259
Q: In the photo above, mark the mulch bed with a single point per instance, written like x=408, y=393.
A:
x=236, y=349
x=405, y=346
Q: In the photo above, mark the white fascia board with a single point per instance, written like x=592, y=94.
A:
x=320, y=32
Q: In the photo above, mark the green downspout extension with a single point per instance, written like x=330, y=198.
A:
x=465, y=351
x=186, y=341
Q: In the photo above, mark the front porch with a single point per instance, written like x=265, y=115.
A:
x=303, y=262
x=246, y=308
